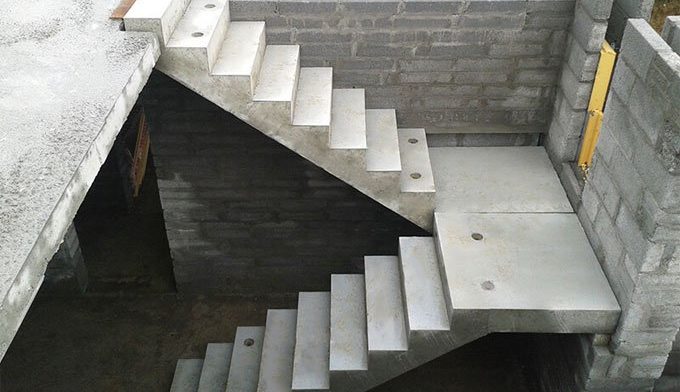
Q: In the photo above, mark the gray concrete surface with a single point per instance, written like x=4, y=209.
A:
x=69, y=79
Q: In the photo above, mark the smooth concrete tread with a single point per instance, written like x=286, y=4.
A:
x=416, y=170
x=199, y=23
x=349, y=344
x=279, y=74
x=382, y=141
x=215, y=367
x=348, y=119
x=276, y=366
x=159, y=16
x=242, y=46
x=187, y=375
x=310, y=364
x=384, y=306
x=538, y=269
x=313, y=98
x=244, y=370
x=496, y=179
x=422, y=284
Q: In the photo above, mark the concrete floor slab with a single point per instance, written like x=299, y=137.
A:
x=496, y=179
x=69, y=78
x=525, y=272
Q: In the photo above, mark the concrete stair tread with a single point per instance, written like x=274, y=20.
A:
x=526, y=272
x=312, y=337
x=187, y=375
x=348, y=119
x=240, y=49
x=382, y=141
x=496, y=179
x=278, y=74
x=422, y=285
x=276, y=366
x=244, y=369
x=313, y=98
x=384, y=307
x=215, y=367
x=349, y=345
x=416, y=170
x=158, y=16
x=199, y=23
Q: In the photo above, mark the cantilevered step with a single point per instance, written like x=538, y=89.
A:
x=242, y=52
x=348, y=119
x=384, y=306
x=416, y=171
x=278, y=77
x=187, y=375
x=382, y=141
x=244, y=369
x=422, y=284
x=158, y=16
x=215, y=367
x=311, y=360
x=276, y=367
x=524, y=272
x=201, y=30
x=313, y=98
x=349, y=345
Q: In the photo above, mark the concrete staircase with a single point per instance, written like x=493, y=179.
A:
x=230, y=64
x=508, y=253
x=407, y=310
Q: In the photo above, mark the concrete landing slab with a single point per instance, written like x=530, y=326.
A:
x=525, y=272
x=69, y=78
x=496, y=179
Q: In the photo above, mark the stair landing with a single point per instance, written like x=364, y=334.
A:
x=525, y=272
x=496, y=179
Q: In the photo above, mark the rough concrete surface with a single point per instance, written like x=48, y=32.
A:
x=68, y=80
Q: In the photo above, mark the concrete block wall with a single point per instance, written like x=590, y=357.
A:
x=630, y=209
x=584, y=41
x=623, y=10
x=450, y=66
x=245, y=215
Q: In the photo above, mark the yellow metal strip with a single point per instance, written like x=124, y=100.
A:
x=590, y=137
x=598, y=96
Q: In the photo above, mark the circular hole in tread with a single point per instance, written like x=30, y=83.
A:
x=210, y=5
x=477, y=236
x=488, y=285
x=413, y=140
x=248, y=342
x=197, y=34
x=416, y=176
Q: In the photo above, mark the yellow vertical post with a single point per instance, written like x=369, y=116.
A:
x=603, y=77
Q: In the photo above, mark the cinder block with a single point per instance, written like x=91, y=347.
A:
x=504, y=51
x=589, y=33
x=671, y=32
x=648, y=367
x=597, y=9
x=576, y=92
x=433, y=7
x=639, y=45
x=581, y=63
x=457, y=50
x=487, y=21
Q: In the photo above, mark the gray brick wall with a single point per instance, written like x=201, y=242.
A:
x=578, y=72
x=245, y=215
x=463, y=66
x=630, y=209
